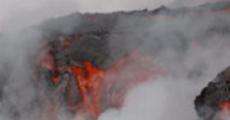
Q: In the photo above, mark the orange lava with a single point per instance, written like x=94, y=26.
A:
x=102, y=89
x=225, y=110
x=225, y=105
x=89, y=79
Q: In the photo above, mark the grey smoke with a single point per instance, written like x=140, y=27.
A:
x=171, y=97
x=167, y=98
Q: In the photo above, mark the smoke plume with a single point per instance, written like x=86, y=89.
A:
x=190, y=67
x=185, y=46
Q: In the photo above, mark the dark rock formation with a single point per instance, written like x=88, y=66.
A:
x=207, y=104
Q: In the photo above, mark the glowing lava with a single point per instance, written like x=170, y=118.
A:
x=225, y=110
x=89, y=81
x=99, y=89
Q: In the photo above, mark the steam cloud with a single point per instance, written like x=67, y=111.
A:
x=167, y=98
x=171, y=97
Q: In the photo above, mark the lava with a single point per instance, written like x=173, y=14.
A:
x=99, y=89
x=89, y=80
x=224, y=110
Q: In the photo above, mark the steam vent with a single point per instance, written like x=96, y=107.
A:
x=214, y=100
x=86, y=63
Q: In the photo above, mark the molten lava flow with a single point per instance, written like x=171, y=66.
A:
x=225, y=105
x=89, y=79
x=225, y=110
x=98, y=89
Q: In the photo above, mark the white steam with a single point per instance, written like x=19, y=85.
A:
x=172, y=97
x=167, y=98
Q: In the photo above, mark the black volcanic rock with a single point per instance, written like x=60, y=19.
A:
x=207, y=104
x=103, y=38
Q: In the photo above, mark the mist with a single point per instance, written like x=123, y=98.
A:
x=168, y=97
x=190, y=67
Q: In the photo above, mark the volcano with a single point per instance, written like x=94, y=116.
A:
x=85, y=56
x=86, y=63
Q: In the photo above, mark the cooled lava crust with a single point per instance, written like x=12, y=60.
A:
x=215, y=97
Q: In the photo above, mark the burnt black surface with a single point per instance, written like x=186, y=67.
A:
x=101, y=38
x=104, y=38
x=207, y=104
